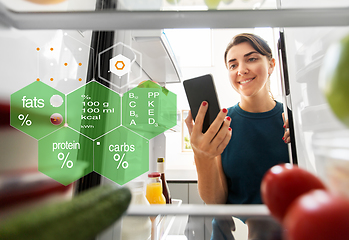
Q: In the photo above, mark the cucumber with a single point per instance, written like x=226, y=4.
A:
x=81, y=218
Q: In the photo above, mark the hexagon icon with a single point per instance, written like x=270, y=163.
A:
x=122, y=63
x=149, y=109
x=62, y=59
x=37, y=109
x=121, y=155
x=65, y=155
x=93, y=109
x=119, y=65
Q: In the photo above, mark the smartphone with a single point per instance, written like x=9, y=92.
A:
x=201, y=89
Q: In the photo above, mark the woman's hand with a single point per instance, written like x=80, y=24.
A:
x=210, y=144
x=286, y=136
x=207, y=148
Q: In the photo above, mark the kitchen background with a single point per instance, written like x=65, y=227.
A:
x=194, y=52
x=199, y=52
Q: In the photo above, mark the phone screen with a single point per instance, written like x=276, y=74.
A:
x=201, y=89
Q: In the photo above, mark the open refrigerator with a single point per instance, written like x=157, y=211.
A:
x=81, y=30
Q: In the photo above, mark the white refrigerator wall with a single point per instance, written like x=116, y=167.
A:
x=313, y=118
x=28, y=55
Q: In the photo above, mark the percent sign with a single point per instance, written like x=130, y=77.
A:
x=85, y=96
x=24, y=119
x=61, y=157
x=118, y=158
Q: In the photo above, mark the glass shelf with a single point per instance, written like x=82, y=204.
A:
x=136, y=5
x=189, y=221
x=164, y=5
x=88, y=15
x=250, y=210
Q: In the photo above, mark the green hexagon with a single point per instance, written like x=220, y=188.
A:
x=121, y=155
x=93, y=109
x=37, y=109
x=65, y=155
x=149, y=109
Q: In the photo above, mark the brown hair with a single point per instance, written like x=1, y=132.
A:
x=258, y=43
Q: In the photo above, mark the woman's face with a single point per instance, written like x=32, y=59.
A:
x=248, y=70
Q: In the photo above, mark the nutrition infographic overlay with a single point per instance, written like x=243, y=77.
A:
x=93, y=128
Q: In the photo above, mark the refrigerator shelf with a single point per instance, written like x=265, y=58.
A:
x=256, y=210
x=112, y=19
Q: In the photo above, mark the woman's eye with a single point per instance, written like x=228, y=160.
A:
x=252, y=59
x=232, y=66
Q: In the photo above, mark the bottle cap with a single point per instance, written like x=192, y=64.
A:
x=161, y=159
x=154, y=175
x=133, y=185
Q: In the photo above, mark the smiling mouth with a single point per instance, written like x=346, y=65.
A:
x=246, y=81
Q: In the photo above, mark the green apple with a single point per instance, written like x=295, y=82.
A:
x=174, y=2
x=334, y=79
x=212, y=4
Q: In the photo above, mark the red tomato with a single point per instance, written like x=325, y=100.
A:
x=284, y=183
x=317, y=215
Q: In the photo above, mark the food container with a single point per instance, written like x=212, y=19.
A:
x=332, y=151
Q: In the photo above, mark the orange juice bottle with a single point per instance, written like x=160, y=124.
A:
x=154, y=189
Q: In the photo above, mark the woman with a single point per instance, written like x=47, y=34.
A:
x=252, y=138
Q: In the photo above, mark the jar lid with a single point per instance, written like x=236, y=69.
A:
x=154, y=174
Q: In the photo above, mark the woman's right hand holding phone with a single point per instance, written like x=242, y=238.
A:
x=210, y=144
x=207, y=148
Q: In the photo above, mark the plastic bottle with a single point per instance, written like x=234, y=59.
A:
x=144, y=224
x=165, y=188
x=154, y=189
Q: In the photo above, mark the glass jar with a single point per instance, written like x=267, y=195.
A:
x=144, y=225
x=154, y=189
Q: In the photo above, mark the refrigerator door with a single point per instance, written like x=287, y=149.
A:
x=316, y=129
x=282, y=55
